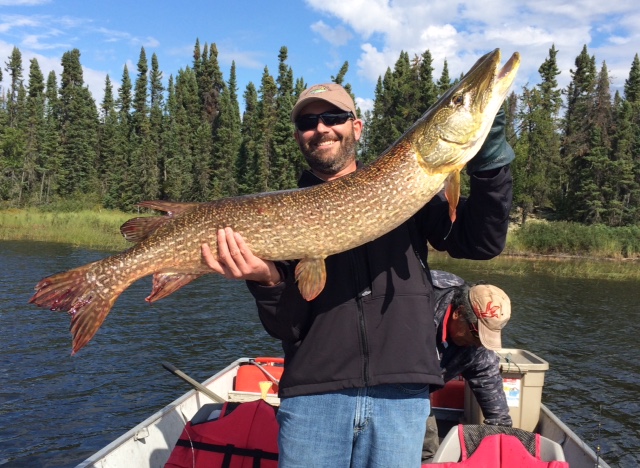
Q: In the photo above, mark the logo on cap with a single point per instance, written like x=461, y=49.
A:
x=319, y=89
x=490, y=311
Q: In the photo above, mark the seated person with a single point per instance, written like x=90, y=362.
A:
x=469, y=319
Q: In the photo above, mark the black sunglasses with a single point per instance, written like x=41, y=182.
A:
x=310, y=121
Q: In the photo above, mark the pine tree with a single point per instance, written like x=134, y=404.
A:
x=117, y=180
x=267, y=117
x=246, y=166
x=12, y=138
x=577, y=123
x=226, y=141
x=444, y=82
x=51, y=142
x=143, y=170
x=538, y=148
x=156, y=121
x=108, y=141
x=428, y=89
x=177, y=176
x=78, y=123
x=286, y=161
x=15, y=95
x=34, y=128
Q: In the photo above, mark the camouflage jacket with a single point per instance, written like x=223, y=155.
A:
x=479, y=366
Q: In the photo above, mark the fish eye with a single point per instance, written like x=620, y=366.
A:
x=457, y=100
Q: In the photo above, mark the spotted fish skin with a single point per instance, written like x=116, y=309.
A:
x=308, y=224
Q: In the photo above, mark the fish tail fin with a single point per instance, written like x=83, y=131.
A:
x=71, y=291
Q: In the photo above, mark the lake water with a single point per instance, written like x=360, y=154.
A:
x=56, y=410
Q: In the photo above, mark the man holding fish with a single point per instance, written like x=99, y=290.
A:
x=360, y=351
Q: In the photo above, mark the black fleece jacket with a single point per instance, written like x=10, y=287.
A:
x=373, y=323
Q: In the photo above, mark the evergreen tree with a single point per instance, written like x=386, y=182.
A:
x=51, y=142
x=246, y=164
x=210, y=83
x=267, y=117
x=15, y=96
x=537, y=150
x=177, y=176
x=118, y=179
x=34, y=128
x=444, y=82
x=108, y=141
x=577, y=123
x=156, y=121
x=143, y=170
x=194, y=140
x=428, y=88
x=287, y=162
x=632, y=84
x=406, y=95
x=226, y=141
x=12, y=138
x=78, y=123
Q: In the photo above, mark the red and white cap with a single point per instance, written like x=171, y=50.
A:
x=492, y=306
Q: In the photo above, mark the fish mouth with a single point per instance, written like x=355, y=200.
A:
x=509, y=69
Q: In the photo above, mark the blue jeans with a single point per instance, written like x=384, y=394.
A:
x=381, y=426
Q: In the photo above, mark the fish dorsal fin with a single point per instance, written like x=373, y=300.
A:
x=169, y=282
x=311, y=276
x=138, y=229
x=171, y=208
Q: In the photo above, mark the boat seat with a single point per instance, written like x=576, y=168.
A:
x=484, y=445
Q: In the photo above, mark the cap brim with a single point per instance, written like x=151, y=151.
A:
x=490, y=339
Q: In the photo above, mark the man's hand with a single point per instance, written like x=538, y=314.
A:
x=495, y=151
x=236, y=261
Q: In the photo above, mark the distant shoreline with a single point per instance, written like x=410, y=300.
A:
x=100, y=230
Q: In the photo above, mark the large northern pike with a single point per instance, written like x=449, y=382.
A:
x=307, y=224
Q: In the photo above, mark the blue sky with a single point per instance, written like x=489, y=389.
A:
x=319, y=34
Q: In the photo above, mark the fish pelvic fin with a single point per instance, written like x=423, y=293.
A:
x=70, y=291
x=138, y=229
x=452, y=193
x=311, y=275
x=168, y=283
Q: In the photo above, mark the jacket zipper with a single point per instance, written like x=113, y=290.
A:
x=362, y=292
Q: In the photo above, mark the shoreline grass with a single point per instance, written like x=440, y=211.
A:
x=94, y=229
x=558, y=249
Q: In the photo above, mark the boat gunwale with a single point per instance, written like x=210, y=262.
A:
x=105, y=451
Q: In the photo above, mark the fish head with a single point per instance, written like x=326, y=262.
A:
x=452, y=131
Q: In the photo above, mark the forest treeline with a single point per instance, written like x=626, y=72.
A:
x=577, y=148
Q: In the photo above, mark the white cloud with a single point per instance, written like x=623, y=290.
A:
x=337, y=37
x=462, y=31
x=23, y=2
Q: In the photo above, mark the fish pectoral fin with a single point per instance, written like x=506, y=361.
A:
x=452, y=193
x=311, y=276
x=167, y=283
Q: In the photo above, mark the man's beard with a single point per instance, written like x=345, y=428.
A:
x=345, y=155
